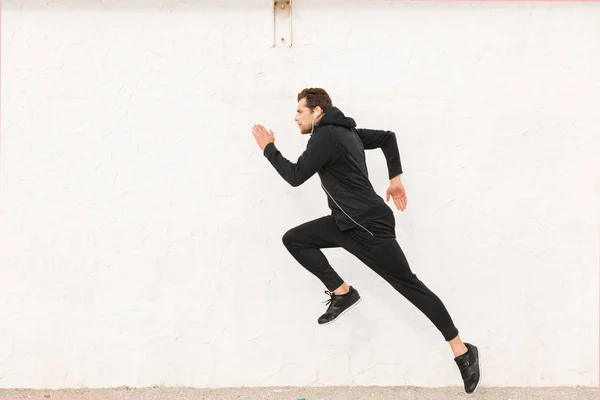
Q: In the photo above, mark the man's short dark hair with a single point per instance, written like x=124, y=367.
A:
x=316, y=97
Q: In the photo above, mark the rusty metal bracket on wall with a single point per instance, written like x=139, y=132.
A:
x=282, y=23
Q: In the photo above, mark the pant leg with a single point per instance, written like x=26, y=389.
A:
x=383, y=254
x=304, y=243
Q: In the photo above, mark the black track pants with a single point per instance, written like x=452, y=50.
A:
x=378, y=249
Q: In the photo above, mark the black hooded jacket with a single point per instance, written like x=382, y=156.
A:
x=336, y=151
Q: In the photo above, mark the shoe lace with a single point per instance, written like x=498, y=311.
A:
x=331, y=297
x=463, y=366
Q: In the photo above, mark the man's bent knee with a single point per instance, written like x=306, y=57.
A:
x=289, y=238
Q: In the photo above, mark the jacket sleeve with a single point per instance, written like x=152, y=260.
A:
x=319, y=151
x=385, y=140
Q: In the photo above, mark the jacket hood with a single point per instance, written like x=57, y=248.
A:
x=336, y=117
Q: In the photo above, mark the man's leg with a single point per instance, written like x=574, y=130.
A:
x=387, y=259
x=383, y=254
x=304, y=243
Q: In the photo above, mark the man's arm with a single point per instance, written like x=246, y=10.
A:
x=385, y=140
x=318, y=153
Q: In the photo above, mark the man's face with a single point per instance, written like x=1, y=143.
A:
x=305, y=117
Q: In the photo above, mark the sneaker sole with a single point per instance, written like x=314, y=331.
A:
x=343, y=312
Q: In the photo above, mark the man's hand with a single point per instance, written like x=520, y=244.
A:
x=397, y=192
x=263, y=138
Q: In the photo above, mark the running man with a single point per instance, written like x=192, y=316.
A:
x=360, y=222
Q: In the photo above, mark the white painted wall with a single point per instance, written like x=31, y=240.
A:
x=140, y=233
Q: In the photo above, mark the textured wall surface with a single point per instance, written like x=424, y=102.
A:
x=140, y=226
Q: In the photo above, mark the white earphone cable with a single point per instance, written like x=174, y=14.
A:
x=329, y=194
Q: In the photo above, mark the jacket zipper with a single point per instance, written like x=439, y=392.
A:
x=340, y=207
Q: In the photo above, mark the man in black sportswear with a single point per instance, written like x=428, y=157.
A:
x=360, y=221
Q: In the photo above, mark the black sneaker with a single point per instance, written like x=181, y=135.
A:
x=338, y=305
x=468, y=364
